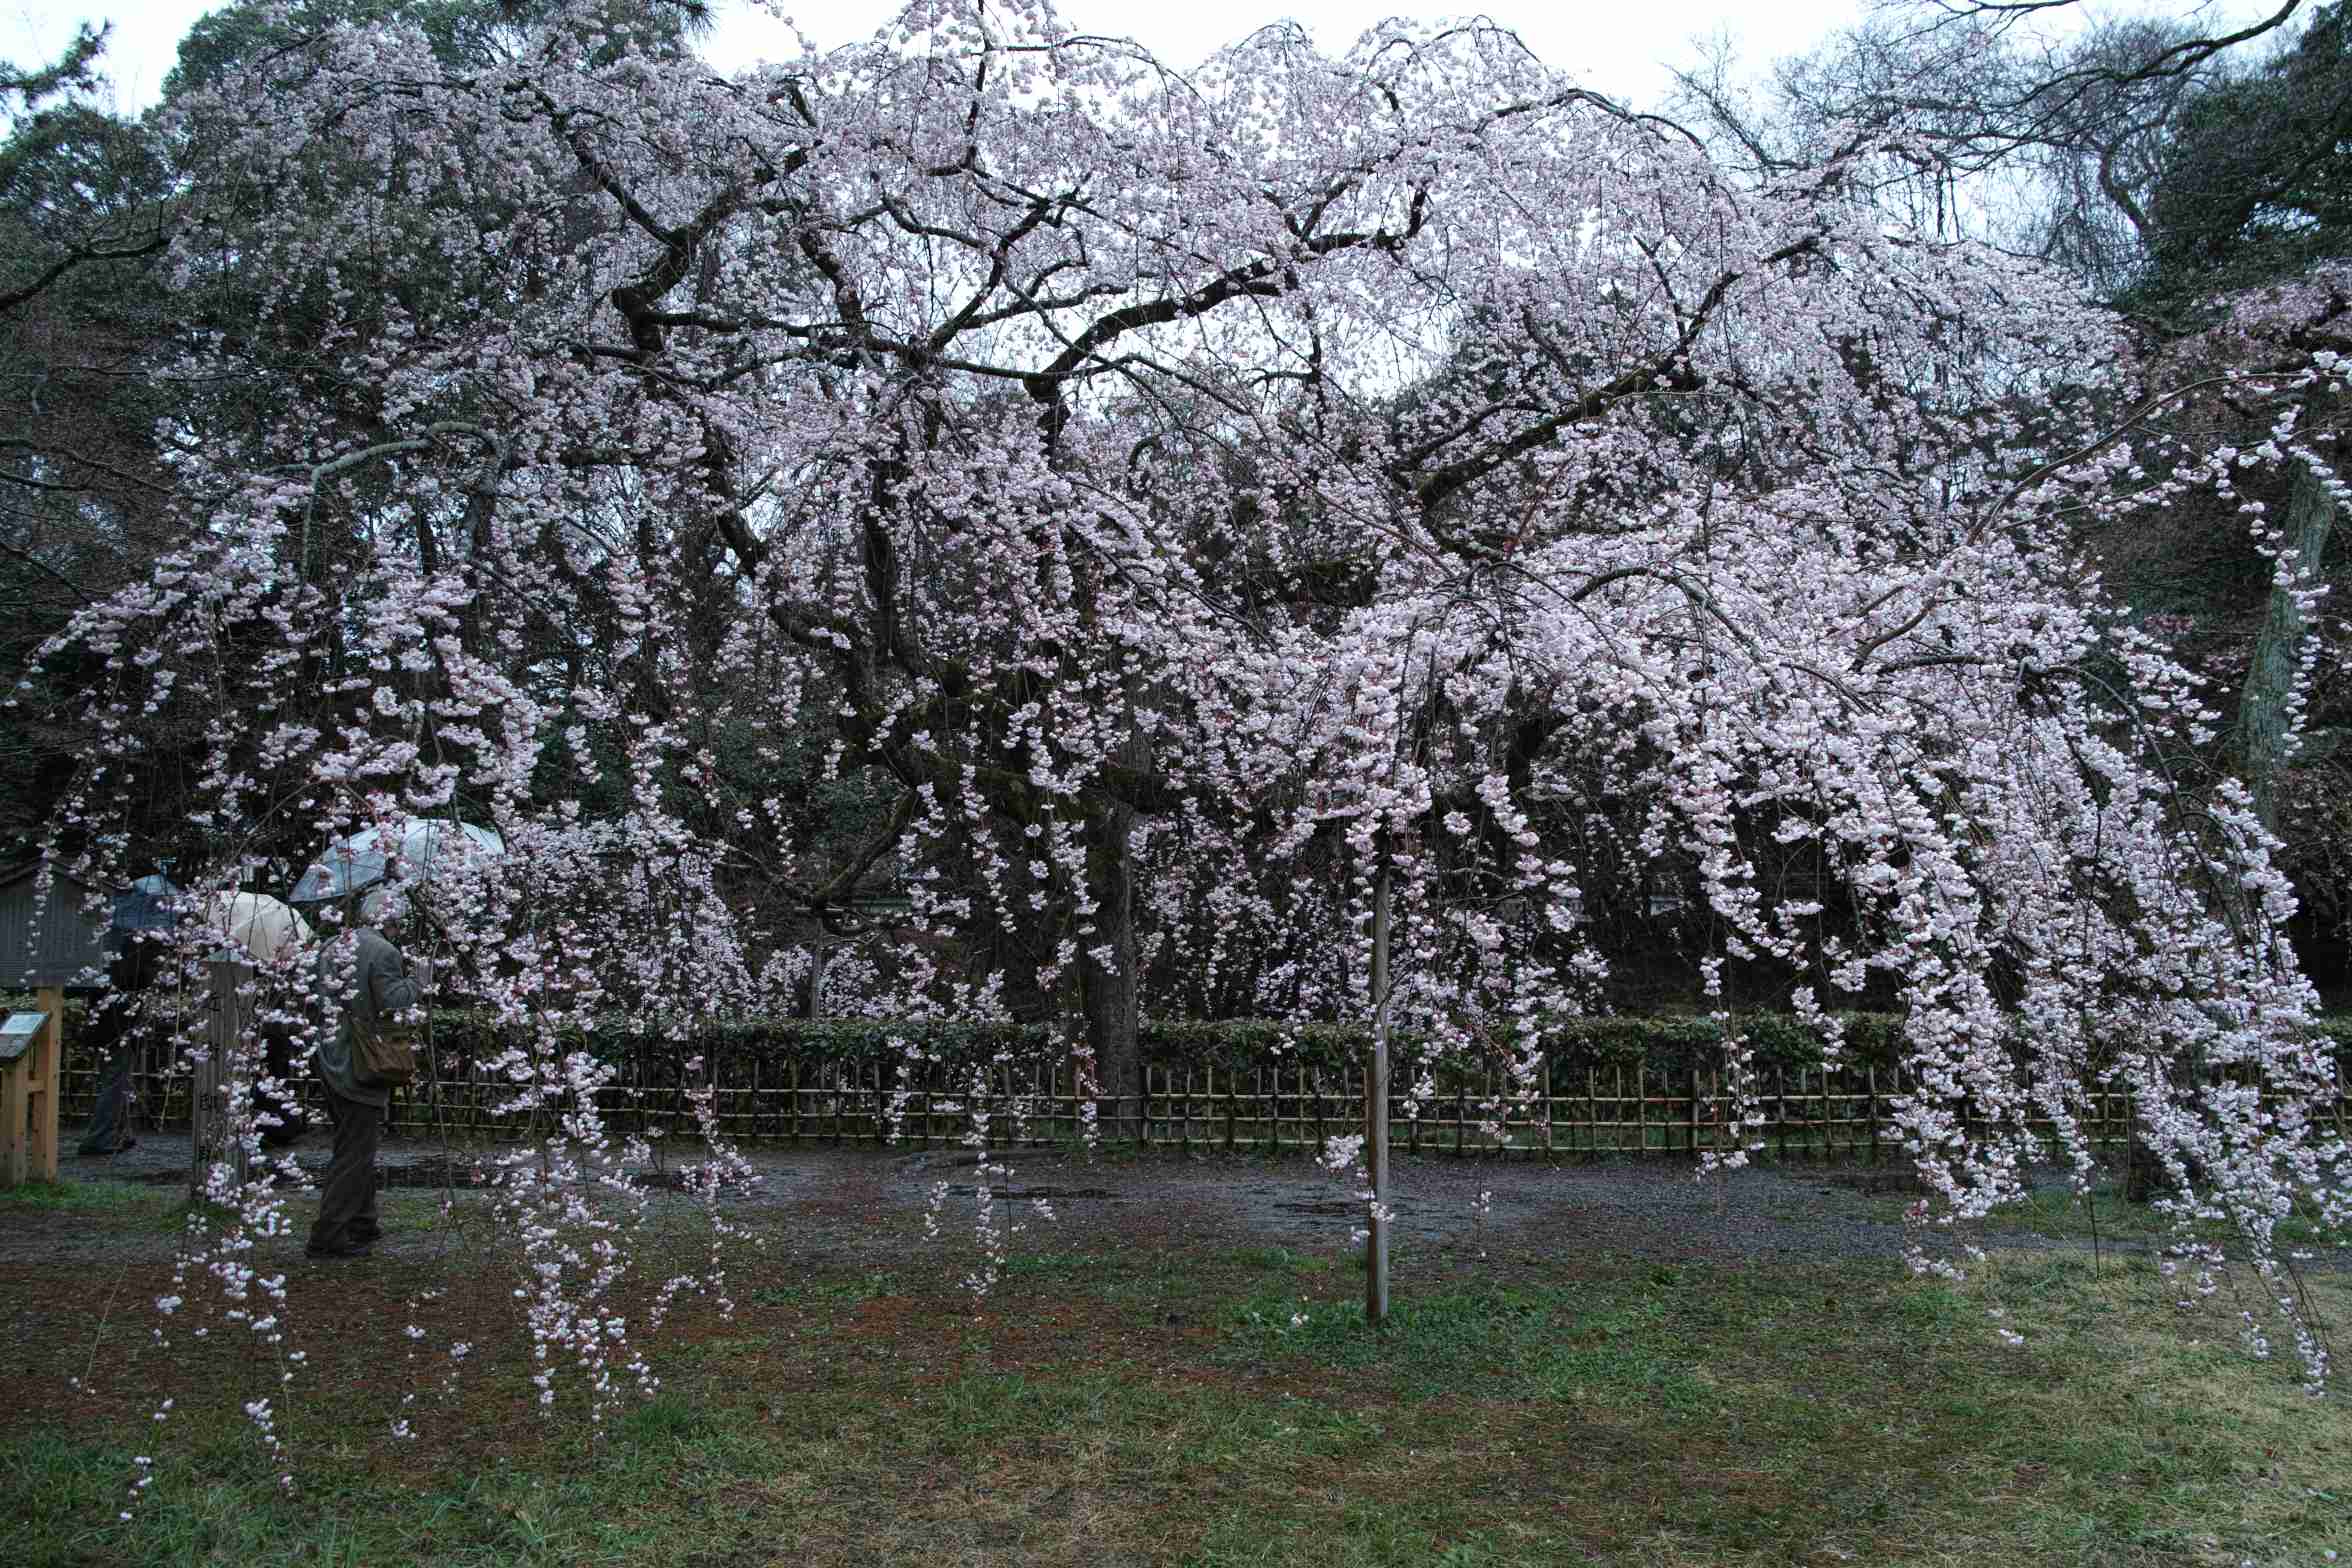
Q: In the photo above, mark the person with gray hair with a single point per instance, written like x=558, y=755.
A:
x=364, y=981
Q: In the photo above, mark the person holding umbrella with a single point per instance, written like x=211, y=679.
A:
x=364, y=981
x=116, y=1034
x=148, y=907
x=273, y=935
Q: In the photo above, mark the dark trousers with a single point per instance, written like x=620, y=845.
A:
x=291, y=1124
x=110, y=1118
x=347, y=1198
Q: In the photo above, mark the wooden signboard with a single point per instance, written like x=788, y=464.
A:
x=31, y=1046
x=18, y=1034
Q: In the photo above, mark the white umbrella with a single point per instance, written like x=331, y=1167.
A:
x=419, y=849
x=265, y=926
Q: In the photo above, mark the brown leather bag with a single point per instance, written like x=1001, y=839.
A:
x=384, y=1057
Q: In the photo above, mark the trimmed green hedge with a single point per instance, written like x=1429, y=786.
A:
x=1668, y=1045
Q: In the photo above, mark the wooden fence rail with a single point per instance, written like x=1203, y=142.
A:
x=1604, y=1112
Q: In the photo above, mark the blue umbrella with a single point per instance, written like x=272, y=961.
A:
x=147, y=905
x=419, y=848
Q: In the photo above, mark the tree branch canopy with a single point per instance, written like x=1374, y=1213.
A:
x=1110, y=512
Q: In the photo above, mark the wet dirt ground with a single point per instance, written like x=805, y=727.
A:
x=853, y=1201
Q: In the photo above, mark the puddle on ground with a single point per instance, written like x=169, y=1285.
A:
x=1024, y=1194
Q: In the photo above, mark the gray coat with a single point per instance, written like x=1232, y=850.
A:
x=360, y=979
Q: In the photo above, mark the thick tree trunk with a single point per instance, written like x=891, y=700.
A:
x=1108, y=978
x=819, y=956
x=2262, y=711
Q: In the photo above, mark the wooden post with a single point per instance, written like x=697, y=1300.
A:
x=1273, y=1106
x=13, y=1077
x=1695, y=1153
x=928, y=1082
x=1870, y=1083
x=1376, y=1111
x=28, y=1097
x=1547, y=1107
x=12, y=1124
x=1641, y=1105
x=208, y=1091
x=41, y=1081
x=1780, y=1122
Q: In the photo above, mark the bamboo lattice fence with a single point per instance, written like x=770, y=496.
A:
x=1627, y=1111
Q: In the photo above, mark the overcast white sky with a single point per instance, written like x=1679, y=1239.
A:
x=1614, y=46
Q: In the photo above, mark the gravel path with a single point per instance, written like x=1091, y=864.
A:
x=1650, y=1210
x=860, y=1200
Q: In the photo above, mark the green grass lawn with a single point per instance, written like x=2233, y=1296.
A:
x=1209, y=1407
x=2103, y=1215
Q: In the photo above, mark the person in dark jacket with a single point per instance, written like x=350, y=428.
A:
x=363, y=981
x=116, y=1034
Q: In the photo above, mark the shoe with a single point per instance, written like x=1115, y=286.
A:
x=359, y=1251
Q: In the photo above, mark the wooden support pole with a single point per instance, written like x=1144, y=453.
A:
x=1870, y=1080
x=1376, y=1110
x=14, y=1166
x=28, y=1092
x=13, y=1077
x=41, y=1074
x=1696, y=1104
x=1547, y=1106
x=209, y=1134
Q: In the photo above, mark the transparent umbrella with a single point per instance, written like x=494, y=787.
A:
x=418, y=851
x=261, y=924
